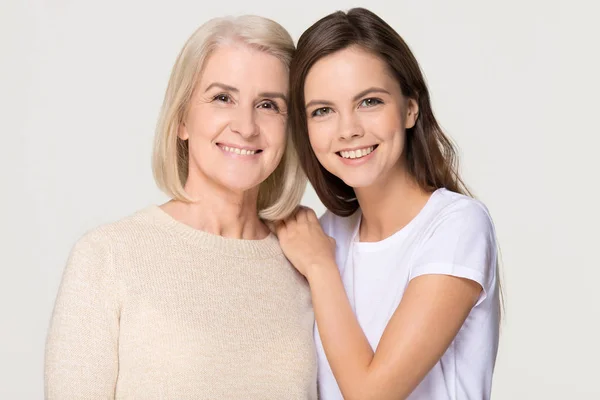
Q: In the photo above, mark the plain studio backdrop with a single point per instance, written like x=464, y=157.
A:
x=514, y=83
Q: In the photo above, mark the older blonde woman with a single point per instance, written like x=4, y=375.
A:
x=194, y=299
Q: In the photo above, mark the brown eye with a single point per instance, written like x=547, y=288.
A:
x=269, y=105
x=223, y=98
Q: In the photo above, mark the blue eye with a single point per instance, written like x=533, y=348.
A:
x=370, y=102
x=320, y=112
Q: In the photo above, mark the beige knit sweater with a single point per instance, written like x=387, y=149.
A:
x=150, y=308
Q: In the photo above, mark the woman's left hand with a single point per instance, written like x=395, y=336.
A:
x=304, y=243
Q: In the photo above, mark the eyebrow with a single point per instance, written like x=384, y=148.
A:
x=274, y=94
x=355, y=98
x=222, y=86
x=236, y=90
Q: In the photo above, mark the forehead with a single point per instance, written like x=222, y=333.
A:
x=245, y=68
x=350, y=70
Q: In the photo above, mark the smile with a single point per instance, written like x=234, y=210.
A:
x=357, y=153
x=239, y=150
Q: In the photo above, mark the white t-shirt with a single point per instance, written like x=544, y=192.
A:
x=452, y=235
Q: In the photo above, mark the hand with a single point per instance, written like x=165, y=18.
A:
x=304, y=243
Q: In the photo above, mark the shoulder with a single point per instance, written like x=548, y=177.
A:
x=454, y=212
x=104, y=238
x=459, y=240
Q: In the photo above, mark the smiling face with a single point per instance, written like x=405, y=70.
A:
x=357, y=116
x=235, y=123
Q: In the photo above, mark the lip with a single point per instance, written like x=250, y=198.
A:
x=357, y=161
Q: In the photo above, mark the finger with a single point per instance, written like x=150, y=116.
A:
x=302, y=216
x=311, y=215
x=299, y=214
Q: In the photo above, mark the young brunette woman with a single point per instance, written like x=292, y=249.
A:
x=403, y=266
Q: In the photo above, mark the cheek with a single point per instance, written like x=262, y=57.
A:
x=273, y=130
x=386, y=125
x=320, y=136
x=394, y=133
x=207, y=124
x=274, y=135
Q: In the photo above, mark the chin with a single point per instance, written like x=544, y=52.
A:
x=358, y=181
x=239, y=183
x=239, y=187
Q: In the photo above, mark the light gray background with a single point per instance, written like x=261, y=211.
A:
x=513, y=82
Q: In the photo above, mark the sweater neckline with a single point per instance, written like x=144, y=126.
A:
x=242, y=248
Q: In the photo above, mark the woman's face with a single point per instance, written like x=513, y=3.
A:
x=357, y=116
x=236, y=120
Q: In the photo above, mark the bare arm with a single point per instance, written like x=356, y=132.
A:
x=431, y=313
x=428, y=318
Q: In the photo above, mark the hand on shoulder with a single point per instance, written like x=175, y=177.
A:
x=303, y=241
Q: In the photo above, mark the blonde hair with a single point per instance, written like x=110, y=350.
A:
x=281, y=192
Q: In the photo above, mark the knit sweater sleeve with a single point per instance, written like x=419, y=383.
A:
x=82, y=345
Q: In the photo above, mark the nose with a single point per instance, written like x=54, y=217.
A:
x=244, y=122
x=350, y=127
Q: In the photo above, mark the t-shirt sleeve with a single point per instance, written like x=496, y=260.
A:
x=460, y=243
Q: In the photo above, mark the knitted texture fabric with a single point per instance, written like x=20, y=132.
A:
x=150, y=308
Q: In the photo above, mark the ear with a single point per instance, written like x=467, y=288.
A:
x=182, y=132
x=412, y=113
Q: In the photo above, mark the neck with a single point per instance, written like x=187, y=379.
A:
x=389, y=205
x=218, y=210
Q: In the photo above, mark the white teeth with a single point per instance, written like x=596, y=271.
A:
x=242, y=152
x=357, y=153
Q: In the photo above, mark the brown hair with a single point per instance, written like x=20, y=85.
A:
x=430, y=155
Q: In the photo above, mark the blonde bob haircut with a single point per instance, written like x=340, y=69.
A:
x=281, y=192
